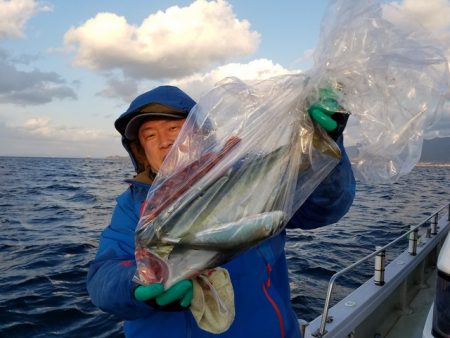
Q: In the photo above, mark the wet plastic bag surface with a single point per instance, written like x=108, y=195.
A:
x=232, y=179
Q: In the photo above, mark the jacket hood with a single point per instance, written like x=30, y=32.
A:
x=168, y=96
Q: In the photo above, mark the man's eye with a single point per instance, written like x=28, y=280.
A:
x=150, y=137
x=174, y=128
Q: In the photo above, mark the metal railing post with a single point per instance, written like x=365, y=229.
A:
x=412, y=248
x=434, y=225
x=379, y=266
x=324, y=320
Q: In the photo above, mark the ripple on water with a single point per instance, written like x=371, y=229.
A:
x=62, y=187
x=84, y=197
x=52, y=212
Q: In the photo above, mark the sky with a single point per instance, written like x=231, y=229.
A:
x=68, y=69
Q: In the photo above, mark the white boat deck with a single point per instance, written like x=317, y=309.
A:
x=411, y=323
x=397, y=309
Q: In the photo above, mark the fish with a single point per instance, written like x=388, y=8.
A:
x=215, y=208
x=229, y=236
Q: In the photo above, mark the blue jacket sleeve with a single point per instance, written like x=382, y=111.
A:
x=109, y=280
x=332, y=198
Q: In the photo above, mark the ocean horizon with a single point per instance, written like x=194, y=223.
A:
x=443, y=162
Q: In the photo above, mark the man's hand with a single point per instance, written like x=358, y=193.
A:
x=328, y=113
x=181, y=291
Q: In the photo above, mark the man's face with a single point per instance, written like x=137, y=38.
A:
x=157, y=137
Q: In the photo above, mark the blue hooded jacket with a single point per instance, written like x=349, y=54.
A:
x=259, y=275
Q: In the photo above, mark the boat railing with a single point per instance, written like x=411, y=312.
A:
x=380, y=253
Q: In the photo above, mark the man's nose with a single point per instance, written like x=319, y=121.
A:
x=166, y=140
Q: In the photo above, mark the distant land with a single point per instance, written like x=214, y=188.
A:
x=116, y=157
x=436, y=150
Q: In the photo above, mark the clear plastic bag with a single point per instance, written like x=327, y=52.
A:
x=246, y=158
x=249, y=156
x=393, y=77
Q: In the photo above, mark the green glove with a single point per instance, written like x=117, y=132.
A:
x=327, y=105
x=328, y=113
x=181, y=291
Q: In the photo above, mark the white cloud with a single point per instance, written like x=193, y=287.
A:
x=169, y=44
x=440, y=127
x=260, y=69
x=30, y=87
x=37, y=123
x=125, y=89
x=308, y=56
x=44, y=127
x=434, y=15
x=19, y=86
x=42, y=136
x=15, y=14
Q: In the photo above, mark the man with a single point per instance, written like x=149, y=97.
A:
x=259, y=276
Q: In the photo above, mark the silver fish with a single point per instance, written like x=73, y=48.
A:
x=224, y=213
x=229, y=236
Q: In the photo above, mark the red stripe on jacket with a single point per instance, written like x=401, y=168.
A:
x=272, y=302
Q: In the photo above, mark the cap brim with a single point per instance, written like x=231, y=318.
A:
x=132, y=128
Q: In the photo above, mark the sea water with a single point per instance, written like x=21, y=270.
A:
x=52, y=211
